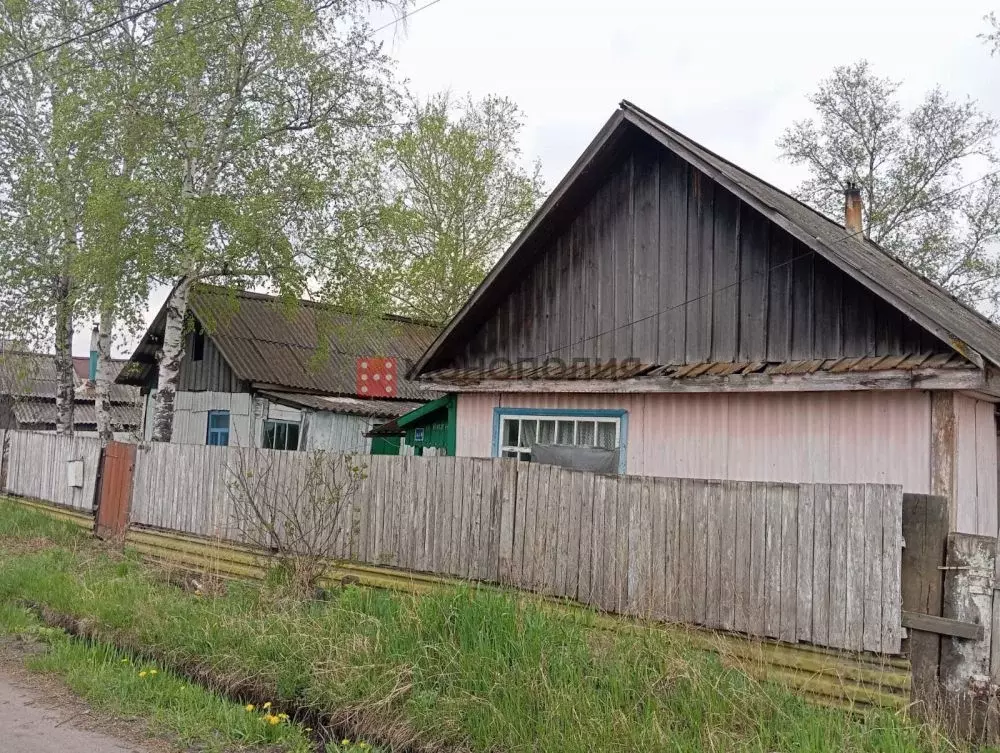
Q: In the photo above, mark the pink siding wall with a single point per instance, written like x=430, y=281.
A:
x=975, y=466
x=832, y=437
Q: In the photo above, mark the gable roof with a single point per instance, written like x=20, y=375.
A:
x=960, y=327
x=29, y=375
x=307, y=347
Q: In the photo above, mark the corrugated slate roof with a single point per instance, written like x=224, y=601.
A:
x=25, y=375
x=35, y=412
x=308, y=347
x=341, y=404
x=960, y=327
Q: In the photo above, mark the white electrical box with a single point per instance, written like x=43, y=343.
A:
x=74, y=473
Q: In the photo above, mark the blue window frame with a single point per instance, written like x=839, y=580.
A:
x=516, y=429
x=218, y=428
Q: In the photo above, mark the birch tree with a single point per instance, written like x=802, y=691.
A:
x=451, y=192
x=42, y=153
x=260, y=105
x=912, y=167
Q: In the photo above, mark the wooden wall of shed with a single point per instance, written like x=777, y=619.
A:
x=191, y=417
x=809, y=437
x=975, y=466
x=614, y=280
x=209, y=374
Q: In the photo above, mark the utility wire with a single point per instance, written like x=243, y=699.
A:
x=765, y=272
x=86, y=33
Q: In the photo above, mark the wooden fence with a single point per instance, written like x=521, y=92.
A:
x=56, y=469
x=817, y=563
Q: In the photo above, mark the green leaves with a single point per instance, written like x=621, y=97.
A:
x=439, y=201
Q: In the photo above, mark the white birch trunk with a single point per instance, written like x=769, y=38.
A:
x=102, y=380
x=170, y=361
x=65, y=378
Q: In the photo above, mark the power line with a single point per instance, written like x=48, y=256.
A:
x=405, y=16
x=765, y=272
x=87, y=33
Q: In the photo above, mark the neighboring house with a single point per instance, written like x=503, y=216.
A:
x=670, y=311
x=258, y=372
x=28, y=388
x=428, y=430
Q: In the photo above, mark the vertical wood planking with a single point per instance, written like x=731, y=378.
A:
x=586, y=552
x=892, y=546
x=728, y=526
x=875, y=499
x=789, y=561
x=623, y=528
x=672, y=288
x=572, y=539
x=855, y=576
x=658, y=549
x=804, y=572
x=840, y=530
x=772, y=561
x=820, y=617
x=671, y=550
x=508, y=507
x=699, y=270
x=712, y=501
x=743, y=597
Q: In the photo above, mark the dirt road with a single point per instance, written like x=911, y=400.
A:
x=35, y=722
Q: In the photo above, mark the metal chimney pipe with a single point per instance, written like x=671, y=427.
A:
x=853, y=209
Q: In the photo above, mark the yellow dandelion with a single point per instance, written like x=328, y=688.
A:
x=249, y=707
x=282, y=716
x=345, y=741
x=152, y=671
x=267, y=705
x=271, y=719
x=142, y=674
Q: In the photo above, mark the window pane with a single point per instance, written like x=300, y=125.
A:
x=510, y=433
x=525, y=456
x=546, y=432
x=564, y=434
x=528, y=432
x=269, y=435
x=509, y=454
x=218, y=419
x=606, y=434
x=585, y=434
x=280, y=430
x=293, y=437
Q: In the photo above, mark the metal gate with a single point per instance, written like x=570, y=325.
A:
x=116, y=489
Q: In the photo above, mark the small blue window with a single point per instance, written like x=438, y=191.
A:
x=218, y=428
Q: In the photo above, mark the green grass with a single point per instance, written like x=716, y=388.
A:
x=463, y=667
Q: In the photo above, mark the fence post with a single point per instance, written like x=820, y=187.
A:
x=925, y=534
x=965, y=663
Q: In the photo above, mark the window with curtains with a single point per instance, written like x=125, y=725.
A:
x=519, y=433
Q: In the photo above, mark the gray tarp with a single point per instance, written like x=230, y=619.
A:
x=595, y=459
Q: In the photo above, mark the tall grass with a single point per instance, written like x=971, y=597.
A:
x=464, y=668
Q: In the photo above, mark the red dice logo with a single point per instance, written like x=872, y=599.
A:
x=376, y=377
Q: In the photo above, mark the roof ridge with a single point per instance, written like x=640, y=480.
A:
x=254, y=295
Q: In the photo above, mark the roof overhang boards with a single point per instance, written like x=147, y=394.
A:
x=976, y=380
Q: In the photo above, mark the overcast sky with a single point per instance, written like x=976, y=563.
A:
x=731, y=74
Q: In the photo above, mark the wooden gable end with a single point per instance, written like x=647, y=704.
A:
x=663, y=265
x=210, y=372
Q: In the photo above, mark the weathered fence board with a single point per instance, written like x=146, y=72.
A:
x=798, y=562
x=39, y=466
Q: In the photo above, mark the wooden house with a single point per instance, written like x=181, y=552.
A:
x=258, y=372
x=28, y=385
x=675, y=311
